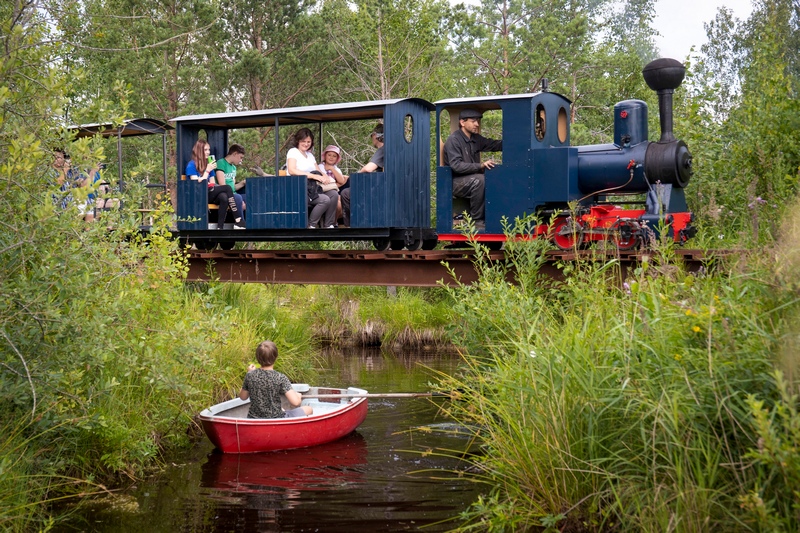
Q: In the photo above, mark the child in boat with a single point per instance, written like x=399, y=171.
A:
x=265, y=386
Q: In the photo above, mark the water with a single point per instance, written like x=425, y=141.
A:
x=380, y=478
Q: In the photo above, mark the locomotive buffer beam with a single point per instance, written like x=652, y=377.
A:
x=391, y=268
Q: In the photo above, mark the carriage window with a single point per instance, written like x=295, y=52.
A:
x=563, y=125
x=540, y=122
x=408, y=128
x=444, y=132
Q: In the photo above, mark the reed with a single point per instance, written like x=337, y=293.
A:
x=606, y=407
x=339, y=316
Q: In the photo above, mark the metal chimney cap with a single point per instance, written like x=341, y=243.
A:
x=664, y=73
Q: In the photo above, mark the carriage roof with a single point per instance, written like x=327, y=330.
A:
x=486, y=103
x=299, y=115
x=129, y=128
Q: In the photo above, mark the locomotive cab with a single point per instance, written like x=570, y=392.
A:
x=539, y=169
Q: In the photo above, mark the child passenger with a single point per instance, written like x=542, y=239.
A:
x=265, y=386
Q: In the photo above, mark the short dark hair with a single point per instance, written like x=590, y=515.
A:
x=266, y=353
x=236, y=149
x=377, y=131
x=301, y=134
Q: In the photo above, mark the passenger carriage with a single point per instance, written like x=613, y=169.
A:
x=135, y=127
x=389, y=208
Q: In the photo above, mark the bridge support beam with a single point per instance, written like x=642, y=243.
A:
x=394, y=268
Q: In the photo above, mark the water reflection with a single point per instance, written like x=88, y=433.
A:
x=384, y=477
x=322, y=467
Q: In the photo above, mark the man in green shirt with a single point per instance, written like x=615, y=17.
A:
x=226, y=173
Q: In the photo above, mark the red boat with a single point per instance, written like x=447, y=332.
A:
x=228, y=427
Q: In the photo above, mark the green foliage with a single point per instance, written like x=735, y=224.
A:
x=603, y=407
x=303, y=316
x=742, y=123
x=389, y=49
x=775, y=500
x=103, y=353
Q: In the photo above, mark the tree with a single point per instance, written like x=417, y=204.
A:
x=389, y=49
x=272, y=55
x=588, y=51
x=745, y=110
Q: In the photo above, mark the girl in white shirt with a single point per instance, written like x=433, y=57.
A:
x=301, y=162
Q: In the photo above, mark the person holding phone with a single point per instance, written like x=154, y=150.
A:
x=202, y=167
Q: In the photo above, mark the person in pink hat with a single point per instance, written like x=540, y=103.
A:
x=330, y=159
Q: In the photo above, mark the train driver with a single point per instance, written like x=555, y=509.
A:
x=462, y=154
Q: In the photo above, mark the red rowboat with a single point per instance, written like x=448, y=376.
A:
x=228, y=427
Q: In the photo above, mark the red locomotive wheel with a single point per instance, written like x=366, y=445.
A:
x=566, y=234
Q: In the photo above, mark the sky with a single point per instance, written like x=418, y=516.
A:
x=680, y=23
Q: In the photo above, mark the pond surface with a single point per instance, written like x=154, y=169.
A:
x=379, y=478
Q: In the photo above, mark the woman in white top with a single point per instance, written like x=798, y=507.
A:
x=301, y=162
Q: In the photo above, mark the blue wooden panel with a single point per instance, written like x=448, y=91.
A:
x=192, y=204
x=508, y=194
x=369, y=198
x=555, y=175
x=277, y=202
x=187, y=136
x=444, y=199
x=517, y=132
x=407, y=166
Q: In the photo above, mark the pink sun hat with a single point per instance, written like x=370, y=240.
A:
x=335, y=149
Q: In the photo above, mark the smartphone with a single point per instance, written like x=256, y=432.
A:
x=211, y=159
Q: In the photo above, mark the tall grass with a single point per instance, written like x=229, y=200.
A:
x=607, y=407
x=341, y=316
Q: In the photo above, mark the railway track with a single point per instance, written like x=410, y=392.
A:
x=392, y=268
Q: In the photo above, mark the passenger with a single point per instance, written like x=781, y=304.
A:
x=301, y=162
x=265, y=386
x=65, y=177
x=462, y=153
x=200, y=169
x=226, y=173
x=376, y=161
x=330, y=158
x=375, y=165
x=95, y=199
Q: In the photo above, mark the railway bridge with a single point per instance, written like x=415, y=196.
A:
x=391, y=268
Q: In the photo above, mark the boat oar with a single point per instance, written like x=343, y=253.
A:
x=382, y=395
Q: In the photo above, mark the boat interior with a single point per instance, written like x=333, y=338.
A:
x=237, y=408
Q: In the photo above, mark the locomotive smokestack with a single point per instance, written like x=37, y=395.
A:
x=664, y=76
